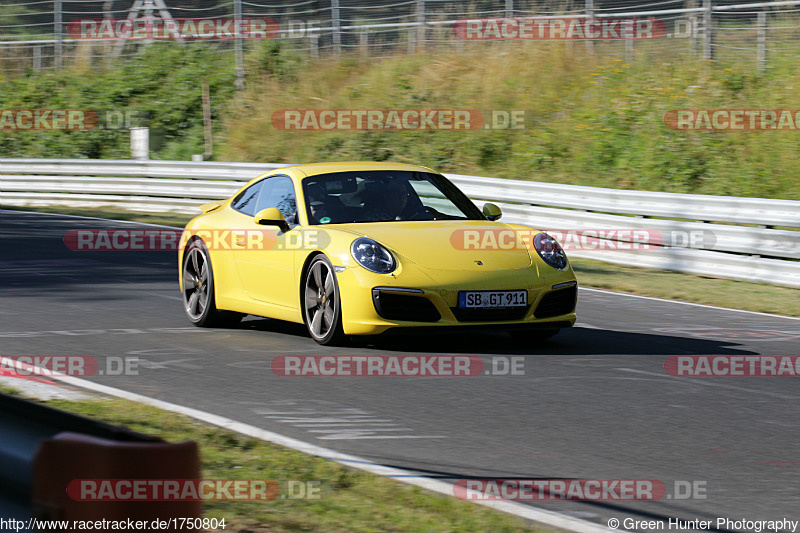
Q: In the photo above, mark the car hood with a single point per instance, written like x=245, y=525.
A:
x=448, y=244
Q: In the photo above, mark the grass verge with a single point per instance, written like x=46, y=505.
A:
x=744, y=295
x=350, y=500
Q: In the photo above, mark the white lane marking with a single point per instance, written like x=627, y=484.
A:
x=168, y=296
x=365, y=434
x=331, y=421
x=352, y=436
x=349, y=423
x=709, y=384
x=158, y=365
x=295, y=419
x=355, y=424
x=528, y=512
x=260, y=364
x=265, y=411
x=687, y=303
x=586, y=326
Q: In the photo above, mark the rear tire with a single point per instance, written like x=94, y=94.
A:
x=198, y=290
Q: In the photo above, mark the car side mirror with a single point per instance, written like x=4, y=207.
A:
x=492, y=212
x=272, y=217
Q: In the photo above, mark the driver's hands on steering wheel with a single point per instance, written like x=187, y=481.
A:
x=425, y=213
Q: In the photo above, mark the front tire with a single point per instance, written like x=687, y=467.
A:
x=322, y=311
x=198, y=290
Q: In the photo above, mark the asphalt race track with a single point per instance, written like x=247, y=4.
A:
x=594, y=403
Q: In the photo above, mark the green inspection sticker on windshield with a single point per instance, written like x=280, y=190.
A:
x=324, y=220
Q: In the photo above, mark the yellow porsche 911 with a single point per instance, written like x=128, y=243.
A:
x=362, y=248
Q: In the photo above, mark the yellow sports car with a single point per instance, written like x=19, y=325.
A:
x=362, y=248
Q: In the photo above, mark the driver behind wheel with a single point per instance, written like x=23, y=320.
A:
x=385, y=201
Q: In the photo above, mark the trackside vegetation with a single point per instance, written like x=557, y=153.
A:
x=590, y=119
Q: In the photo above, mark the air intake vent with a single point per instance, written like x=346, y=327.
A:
x=556, y=303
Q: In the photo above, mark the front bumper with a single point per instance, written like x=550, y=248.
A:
x=373, y=303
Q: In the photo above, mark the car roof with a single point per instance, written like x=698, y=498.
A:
x=313, y=169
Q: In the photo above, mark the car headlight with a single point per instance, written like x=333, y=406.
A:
x=372, y=256
x=550, y=251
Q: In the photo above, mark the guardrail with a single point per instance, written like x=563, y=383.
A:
x=720, y=236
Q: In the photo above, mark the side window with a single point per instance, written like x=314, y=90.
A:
x=278, y=191
x=246, y=201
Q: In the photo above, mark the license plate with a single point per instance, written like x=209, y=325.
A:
x=490, y=299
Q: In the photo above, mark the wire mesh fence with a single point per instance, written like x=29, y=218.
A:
x=38, y=35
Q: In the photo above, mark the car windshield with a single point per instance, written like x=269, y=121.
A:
x=384, y=196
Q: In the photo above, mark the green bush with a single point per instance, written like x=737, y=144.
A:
x=163, y=81
x=591, y=119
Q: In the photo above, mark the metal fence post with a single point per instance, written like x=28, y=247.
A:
x=708, y=42
x=692, y=21
x=106, y=45
x=510, y=9
x=589, y=16
x=58, y=49
x=628, y=28
x=286, y=30
x=336, y=23
x=421, y=23
x=363, y=43
x=762, y=40
x=37, y=58
x=207, y=131
x=238, y=45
